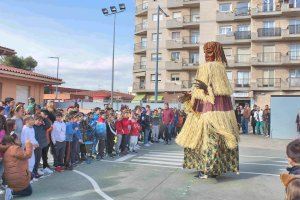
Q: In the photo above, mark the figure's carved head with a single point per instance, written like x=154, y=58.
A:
x=214, y=52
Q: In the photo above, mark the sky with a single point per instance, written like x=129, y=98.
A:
x=77, y=32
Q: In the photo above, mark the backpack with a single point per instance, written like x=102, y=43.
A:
x=101, y=128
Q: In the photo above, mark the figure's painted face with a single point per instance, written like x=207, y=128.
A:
x=209, y=55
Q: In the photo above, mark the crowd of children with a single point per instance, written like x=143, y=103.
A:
x=70, y=137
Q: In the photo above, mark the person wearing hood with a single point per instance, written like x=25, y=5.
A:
x=16, y=170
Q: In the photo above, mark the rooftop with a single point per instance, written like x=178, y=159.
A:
x=6, y=51
x=21, y=73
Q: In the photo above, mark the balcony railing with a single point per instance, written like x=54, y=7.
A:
x=139, y=65
x=191, y=19
x=141, y=27
x=269, y=82
x=138, y=86
x=243, y=11
x=294, y=55
x=190, y=62
x=294, y=5
x=293, y=82
x=140, y=46
x=269, y=32
x=243, y=58
x=269, y=57
x=294, y=29
x=242, y=83
x=141, y=8
x=191, y=40
x=187, y=84
x=242, y=35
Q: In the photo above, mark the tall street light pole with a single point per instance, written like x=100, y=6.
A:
x=57, y=69
x=114, y=12
x=157, y=49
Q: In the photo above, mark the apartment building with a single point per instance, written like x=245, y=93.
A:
x=261, y=40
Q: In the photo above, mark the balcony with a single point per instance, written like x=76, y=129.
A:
x=240, y=60
x=266, y=10
x=191, y=42
x=241, y=84
x=267, y=34
x=174, y=44
x=190, y=63
x=191, y=3
x=173, y=65
x=191, y=21
x=139, y=66
x=141, y=10
x=267, y=59
x=238, y=37
x=174, y=3
x=186, y=85
x=138, y=86
x=291, y=10
x=141, y=29
x=174, y=23
x=267, y=84
x=292, y=58
x=237, y=15
x=292, y=32
x=292, y=83
x=140, y=48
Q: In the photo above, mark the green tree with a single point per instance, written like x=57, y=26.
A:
x=19, y=62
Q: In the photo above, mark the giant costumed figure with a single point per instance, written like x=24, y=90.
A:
x=210, y=134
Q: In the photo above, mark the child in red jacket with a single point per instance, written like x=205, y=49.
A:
x=119, y=131
x=135, y=133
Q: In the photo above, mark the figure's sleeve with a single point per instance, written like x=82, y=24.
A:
x=204, y=75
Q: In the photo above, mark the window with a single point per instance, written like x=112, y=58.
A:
x=154, y=36
x=243, y=78
x=225, y=30
x=153, y=77
x=175, y=35
x=269, y=24
x=175, y=77
x=294, y=26
x=229, y=76
x=175, y=56
x=268, y=5
x=143, y=42
x=268, y=78
x=243, y=27
x=176, y=15
x=228, y=53
x=242, y=9
x=154, y=17
x=225, y=7
x=243, y=55
x=153, y=57
x=194, y=57
x=294, y=52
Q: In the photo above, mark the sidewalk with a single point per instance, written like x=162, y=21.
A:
x=255, y=141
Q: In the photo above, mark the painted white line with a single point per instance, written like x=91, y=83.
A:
x=174, y=167
x=270, y=157
x=157, y=162
x=285, y=162
x=266, y=164
x=143, y=164
x=163, y=156
x=124, y=158
x=256, y=173
x=163, y=153
x=158, y=158
x=95, y=185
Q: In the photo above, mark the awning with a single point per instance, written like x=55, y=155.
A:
x=159, y=98
x=138, y=98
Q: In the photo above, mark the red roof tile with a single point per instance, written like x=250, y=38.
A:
x=25, y=72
